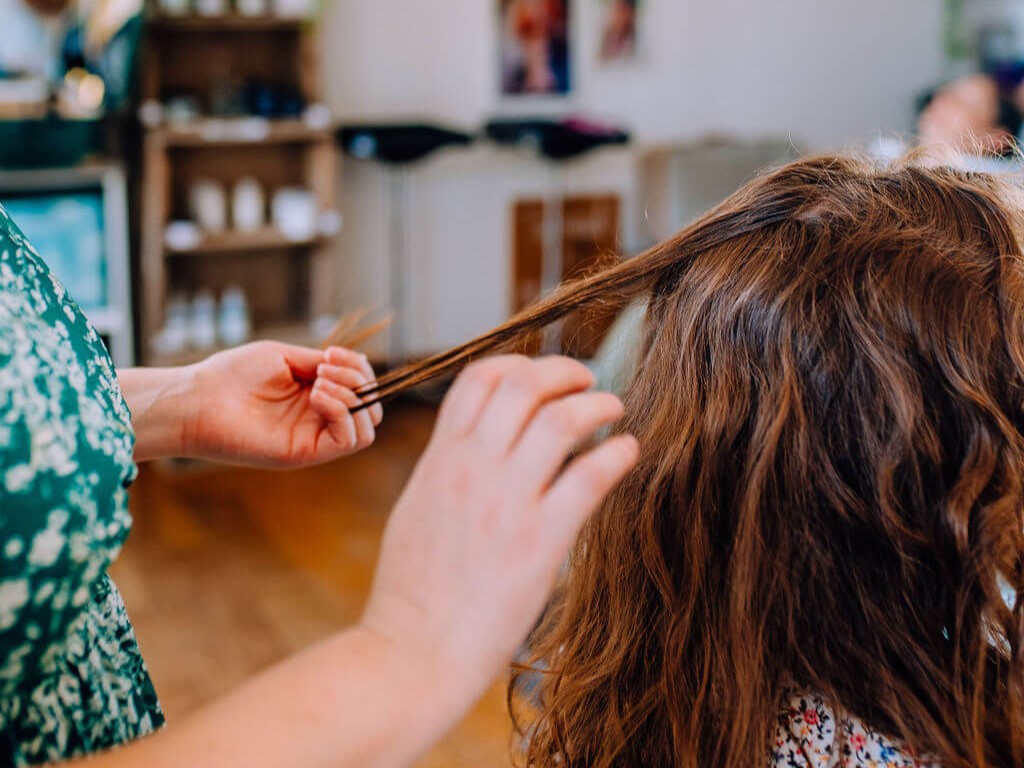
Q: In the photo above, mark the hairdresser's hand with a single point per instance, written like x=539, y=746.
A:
x=271, y=404
x=475, y=542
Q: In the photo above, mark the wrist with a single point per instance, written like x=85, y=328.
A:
x=162, y=403
x=188, y=395
x=448, y=688
x=176, y=411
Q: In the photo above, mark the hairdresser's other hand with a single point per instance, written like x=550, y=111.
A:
x=276, y=405
x=477, y=538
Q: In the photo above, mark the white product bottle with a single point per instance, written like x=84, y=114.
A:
x=211, y=7
x=294, y=211
x=233, y=324
x=252, y=7
x=248, y=206
x=175, y=7
x=209, y=205
x=174, y=336
x=202, y=324
x=294, y=9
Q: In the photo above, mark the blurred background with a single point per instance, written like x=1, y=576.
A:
x=201, y=173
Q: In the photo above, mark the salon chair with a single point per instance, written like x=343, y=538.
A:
x=555, y=140
x=398, y=147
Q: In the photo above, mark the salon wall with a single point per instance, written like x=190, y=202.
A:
x=827, y=74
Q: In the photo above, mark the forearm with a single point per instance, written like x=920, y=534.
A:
x=160, y=400
x=350, y=701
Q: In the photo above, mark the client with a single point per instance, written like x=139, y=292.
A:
x=809, y=564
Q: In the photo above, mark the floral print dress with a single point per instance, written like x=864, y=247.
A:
x=72, y=681
x=811, y=735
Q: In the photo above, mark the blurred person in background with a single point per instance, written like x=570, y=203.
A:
x=973, y=115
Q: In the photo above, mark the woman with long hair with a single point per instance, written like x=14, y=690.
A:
x=817, y=557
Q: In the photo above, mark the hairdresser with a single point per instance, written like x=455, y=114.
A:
x=468, y=557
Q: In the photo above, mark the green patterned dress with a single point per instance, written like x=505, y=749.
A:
x=72, y=681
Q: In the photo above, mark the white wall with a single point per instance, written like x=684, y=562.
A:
x=829, y=73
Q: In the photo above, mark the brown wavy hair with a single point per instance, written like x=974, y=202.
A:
x=831, y=484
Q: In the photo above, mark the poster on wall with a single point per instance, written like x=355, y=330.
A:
x=619, y=37
x=535, y=47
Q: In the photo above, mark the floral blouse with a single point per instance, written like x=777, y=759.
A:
x=811, y=735
x=72, y=681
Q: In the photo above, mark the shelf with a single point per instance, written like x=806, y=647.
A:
x=253, y=131
x=299, y=334
x=266, y=239
x=227, y=23
x=279, y=275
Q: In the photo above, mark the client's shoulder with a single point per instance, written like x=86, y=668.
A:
x=811, y=733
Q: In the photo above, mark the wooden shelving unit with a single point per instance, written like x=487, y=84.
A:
x=265, y=239
x=288, y=283
x=239, y=132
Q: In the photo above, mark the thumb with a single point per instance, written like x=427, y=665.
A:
x=303, y=362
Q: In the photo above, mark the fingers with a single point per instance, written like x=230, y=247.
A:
x=558, y=426
x=338, y=357
x=469, y=394
x=332, y=397
x=349, y=378
x=585, y=483
x=333, y=407
x=349, y=359
x=523, y=391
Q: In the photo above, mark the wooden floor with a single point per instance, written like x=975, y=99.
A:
x=227, y=571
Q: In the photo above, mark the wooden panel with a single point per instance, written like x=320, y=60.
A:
x=197, y=65
x=589, y=238
x=156, y=191
x=527, y=252
x=309, y=67
x=150, y=71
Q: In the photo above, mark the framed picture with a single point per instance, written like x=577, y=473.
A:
x=535, y=47
x=620, y=24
